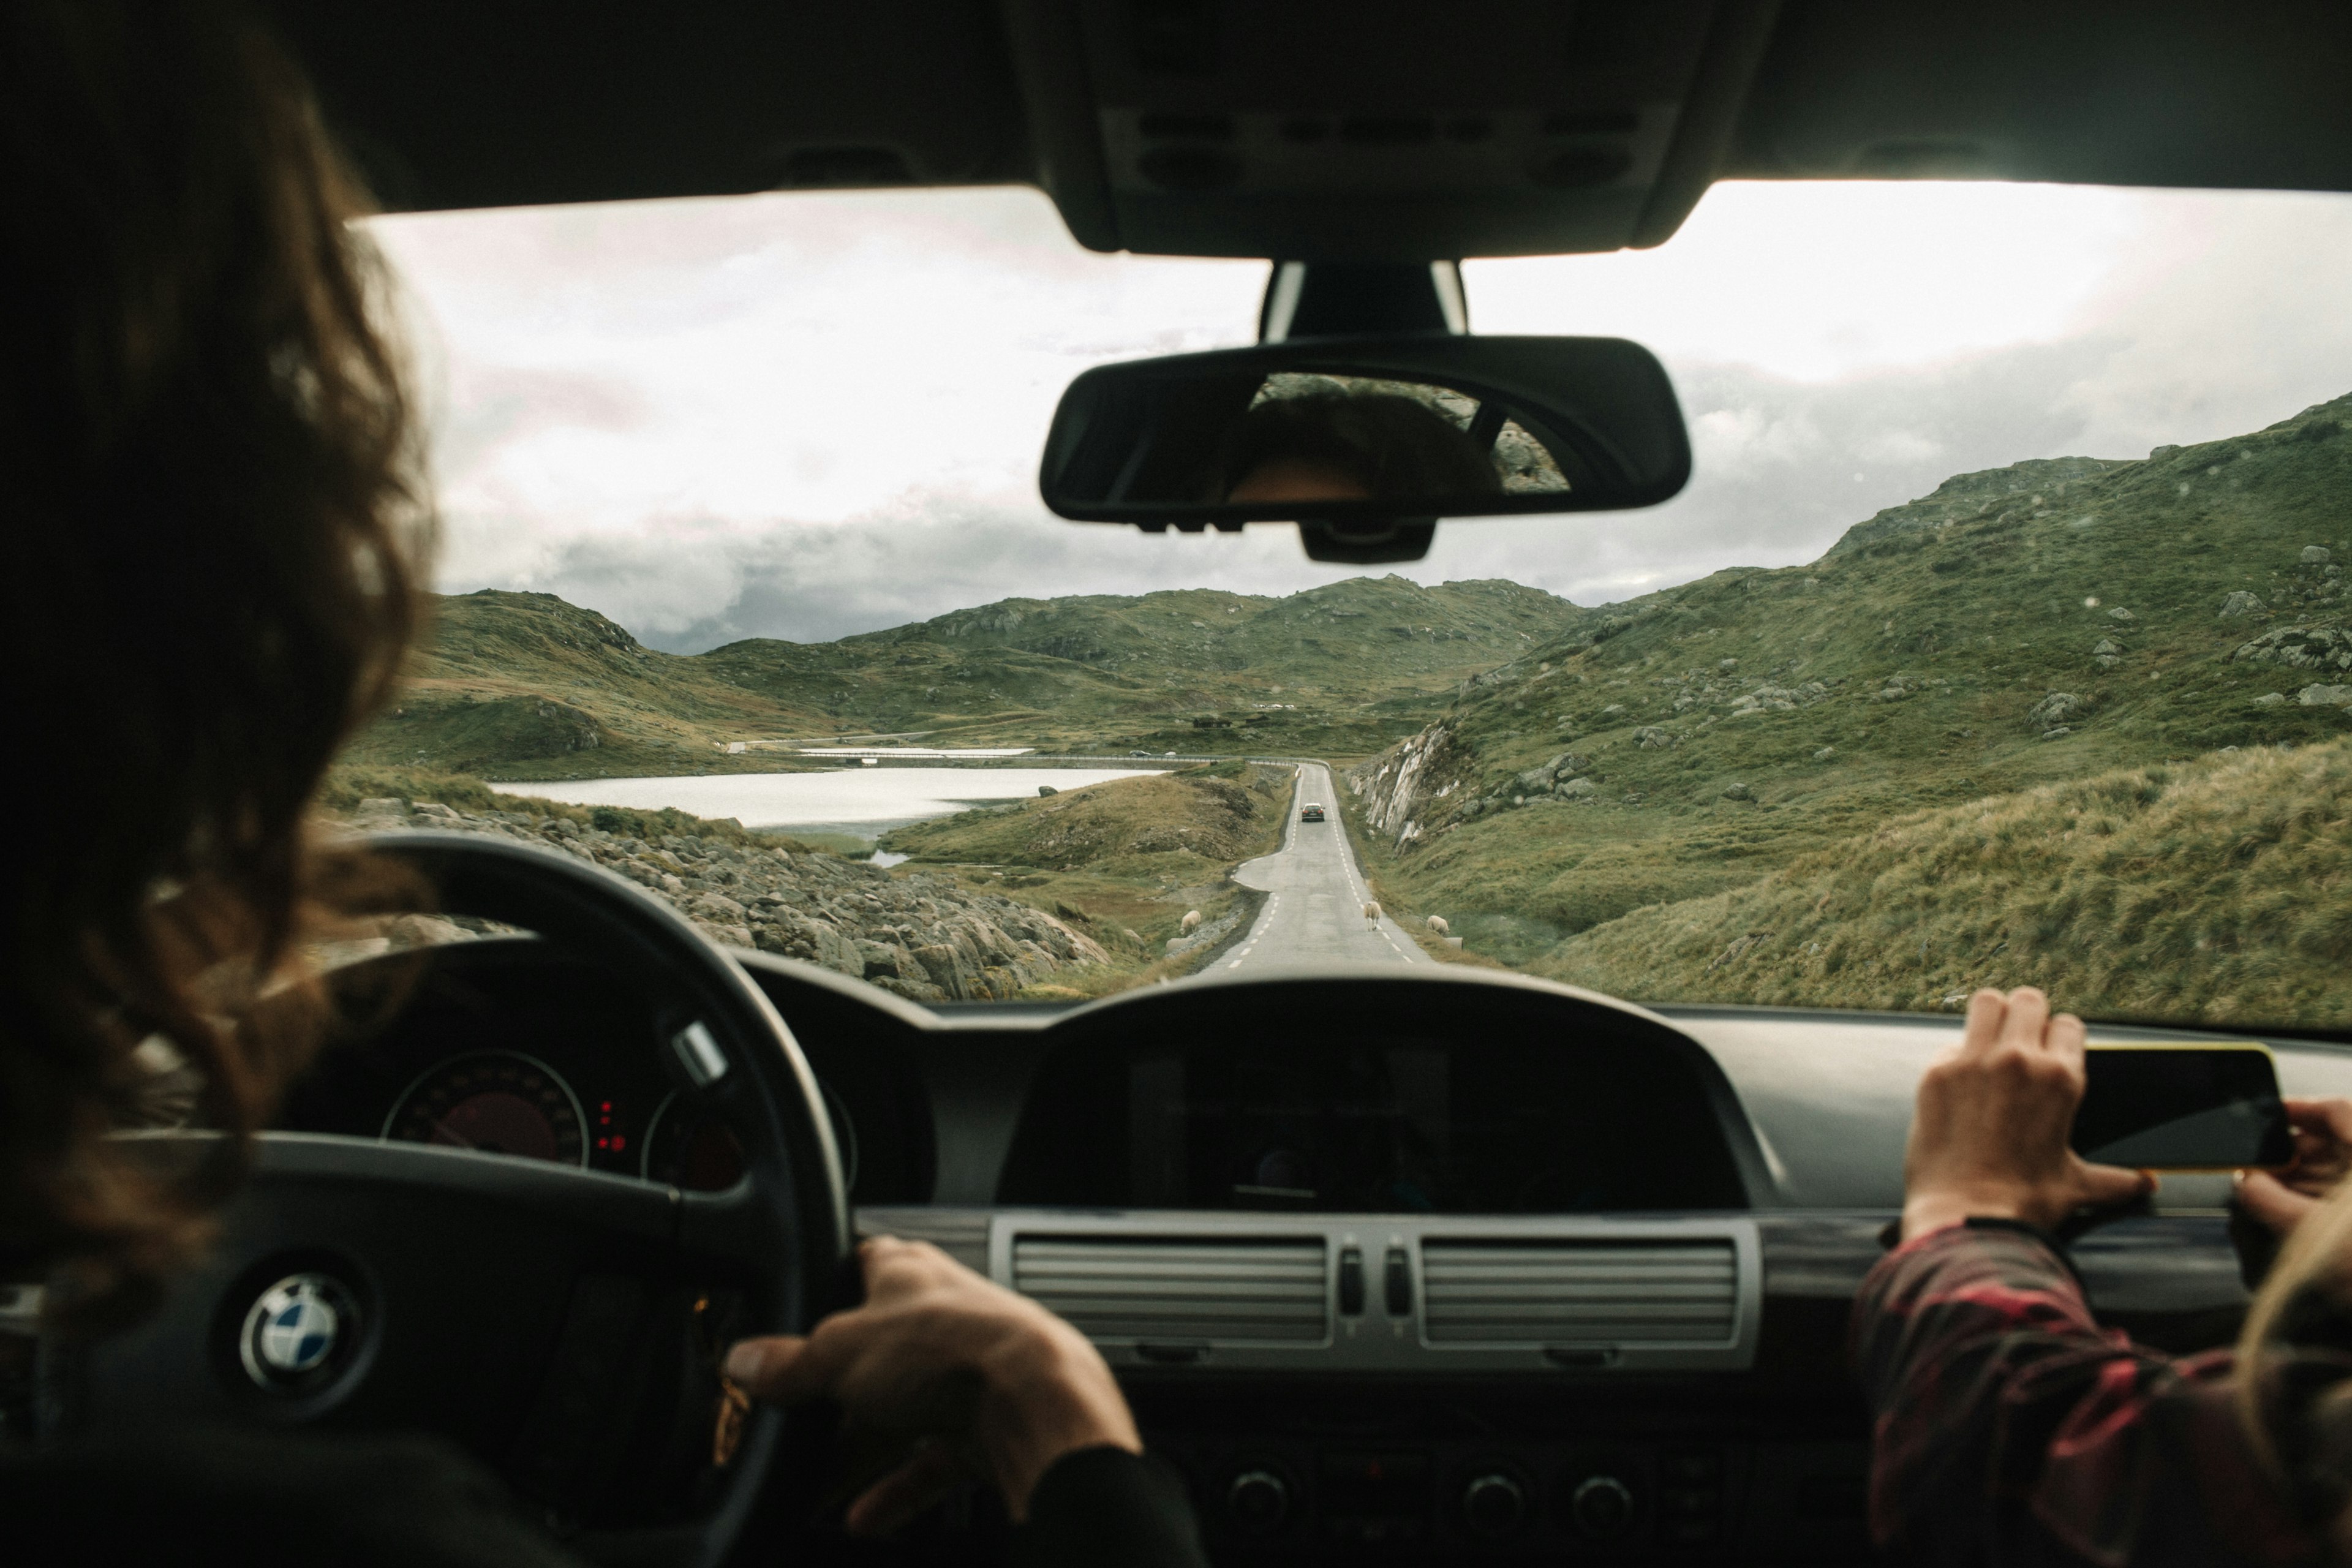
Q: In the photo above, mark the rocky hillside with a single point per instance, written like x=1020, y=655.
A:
x=925, y=937
x=2022, y=629
x=526, y=686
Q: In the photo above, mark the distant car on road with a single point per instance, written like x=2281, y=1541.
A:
x=1310, y=812
x=1138, y=753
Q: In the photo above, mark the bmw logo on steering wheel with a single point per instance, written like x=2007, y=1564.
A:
x=299, y=1334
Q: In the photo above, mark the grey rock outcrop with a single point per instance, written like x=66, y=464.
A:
x=2317, y=696
x=2240, y=604
x=1398, y=786
x=2299, y=647
x=2054, y=709
x=922, y=936
x=1779, y=699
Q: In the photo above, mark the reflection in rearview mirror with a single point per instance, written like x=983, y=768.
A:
x=1361, y=430
x=1311, y=437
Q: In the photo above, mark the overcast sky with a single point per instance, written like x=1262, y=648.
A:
x=809, y=415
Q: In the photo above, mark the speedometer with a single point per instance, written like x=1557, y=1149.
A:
x=495, y=1102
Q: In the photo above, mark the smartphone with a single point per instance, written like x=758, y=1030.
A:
x=2182, y=1108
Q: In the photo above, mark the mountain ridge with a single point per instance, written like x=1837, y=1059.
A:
x=525, y=685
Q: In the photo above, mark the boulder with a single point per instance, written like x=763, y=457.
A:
x=2106, y=648
x=1045, y=790
x=2299, y=647
x=2316, y=696
x=2051, y=734
x=2315, y=555
x=1737, y=792
x=947, y=969
x=1653, y=738
x=2271, y=700
x=1577, y=789
x=1825, y=754
x=2240, y=603
x=719, y=909
x=2055, y=708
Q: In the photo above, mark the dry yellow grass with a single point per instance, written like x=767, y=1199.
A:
x=2218, y=891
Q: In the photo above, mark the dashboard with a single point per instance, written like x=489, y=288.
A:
x=1471, y=1265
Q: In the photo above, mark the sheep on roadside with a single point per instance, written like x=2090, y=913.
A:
x=1371, y=915
x=1191, y=919
x=1437, y=923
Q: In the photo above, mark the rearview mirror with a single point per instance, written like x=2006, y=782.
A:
x=1365, y=441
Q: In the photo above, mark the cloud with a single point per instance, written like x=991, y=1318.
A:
x=805, y=415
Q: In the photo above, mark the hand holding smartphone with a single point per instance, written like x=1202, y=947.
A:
x=2183, y=1108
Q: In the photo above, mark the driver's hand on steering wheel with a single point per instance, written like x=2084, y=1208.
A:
x=1989, y=1138
x=973, y=1378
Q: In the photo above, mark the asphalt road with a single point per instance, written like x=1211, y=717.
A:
x=1315, y=910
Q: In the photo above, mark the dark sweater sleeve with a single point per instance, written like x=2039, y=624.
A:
x=1110, y=1507
x=2009, y=1428
x=237, y=1498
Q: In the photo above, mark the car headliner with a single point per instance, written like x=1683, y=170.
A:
x=1437, y=130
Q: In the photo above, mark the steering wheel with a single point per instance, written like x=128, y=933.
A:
x=562, y=1324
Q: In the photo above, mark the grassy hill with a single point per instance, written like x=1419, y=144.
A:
x=527, y=686
x=2219, y=890
x=1127, y=858
x=2014, y=631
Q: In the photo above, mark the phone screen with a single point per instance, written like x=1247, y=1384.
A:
x=2182, y=1108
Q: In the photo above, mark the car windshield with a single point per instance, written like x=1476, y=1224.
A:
x=1999, y=638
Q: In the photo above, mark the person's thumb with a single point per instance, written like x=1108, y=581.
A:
x=2102, y=1185
x=759, y=1366
x=2272, y=1202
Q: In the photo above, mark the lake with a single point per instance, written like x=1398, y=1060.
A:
x=862, y=803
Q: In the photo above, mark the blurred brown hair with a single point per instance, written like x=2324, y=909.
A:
x=2294, y=1370
x=215, y=510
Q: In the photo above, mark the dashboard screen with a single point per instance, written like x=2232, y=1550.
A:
x=1398, y=1124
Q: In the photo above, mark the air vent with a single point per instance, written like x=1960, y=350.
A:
x=1580, y=1292
x=1179, y=1288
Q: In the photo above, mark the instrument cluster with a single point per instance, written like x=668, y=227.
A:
x=507, y=1048
x=510, y=1102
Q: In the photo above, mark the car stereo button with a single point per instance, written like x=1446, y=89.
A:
x=1351, y=1281
x=1602, y=1508
x=1494, y=1505
x=1258, y=1502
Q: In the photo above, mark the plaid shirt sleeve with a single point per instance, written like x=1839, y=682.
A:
x=2011, y=1429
